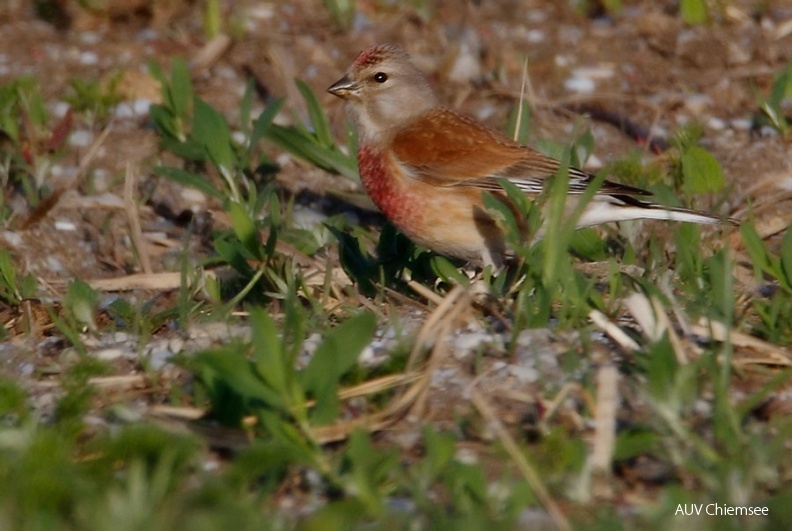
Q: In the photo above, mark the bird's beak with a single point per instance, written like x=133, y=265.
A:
x=343, y=88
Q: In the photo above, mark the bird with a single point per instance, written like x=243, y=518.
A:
x=427, y=167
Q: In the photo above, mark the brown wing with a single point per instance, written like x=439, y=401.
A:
x=444, y=148
x=447, y=149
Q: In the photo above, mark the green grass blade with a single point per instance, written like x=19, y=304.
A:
x=290, y=139
x=189, y=179
x=316, y=114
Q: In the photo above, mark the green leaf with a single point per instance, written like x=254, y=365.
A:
x=181, y=93
x=443, y=268
x=702, y=171
x=187, y=149
x=585, y=147
x=245, y=108
x=694, y=11
x=268, y=352
x=81, y=301
x=587, y=243
x=786, y=258
x=760, y=258
x=337, y=354
x=776, y=116
x=355, y=259
x=782, y=87
x=232, y=252
x=193, y=180
x=211, y=130
x=307, y=148
x=156, y=72
x=164, y=120
x=440, y=451
x=632, y=443
x=264, y=122
x=212, y=19
x=316, y=114
x=230, y=368
x=244, y=227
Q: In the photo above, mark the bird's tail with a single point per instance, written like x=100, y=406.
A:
x=609, y=208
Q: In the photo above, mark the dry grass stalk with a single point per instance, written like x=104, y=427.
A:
x=605, y=419
x=68, y=184
x=768, y=354
x=651, y=317
x=133, y=217
x=153, y=281
x=527, y=470
x=613, y=331
x=431, y=335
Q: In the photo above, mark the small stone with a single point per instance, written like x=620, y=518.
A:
x=65, y=226
x=697, y=104
x=176, y=345
x=158, y=358
x=466, y=456
x=89, y=58
x=524, y=374
x=716, y=124
x=741, y=124
x=81, y=138
x=108, y=354
x=580, y=85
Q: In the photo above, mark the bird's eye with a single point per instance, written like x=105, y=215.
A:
x=380, y=77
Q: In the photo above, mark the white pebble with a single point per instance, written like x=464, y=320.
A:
x=537, y=15
x=141, y=106
x=60, y=108
x=65, y=226
x=239, y=137
x=698, y=103
x=89, y=37
x=466, y=456
x=703, y=408
x=581, y=85
x=89, y=58
x=81, y=138
x=108, y=354
x=784, y=183
x=716, y=124
x=192, y=196
x=603, y=71
x=120, y=337
x=524, y=374
x=535, y=36
x=13, y=239
x=741, y=124
x=176, y=345
x=594, y=163
x=210, y=466
x=562, y=61
x=367, y=356
x=124, y=110
x=261, y=12
x=158, y=358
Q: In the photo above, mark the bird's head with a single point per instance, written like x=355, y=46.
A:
x=384, y=91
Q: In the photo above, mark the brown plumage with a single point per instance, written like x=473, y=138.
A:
x=426, y=167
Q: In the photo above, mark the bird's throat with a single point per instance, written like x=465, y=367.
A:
x=397, y=200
